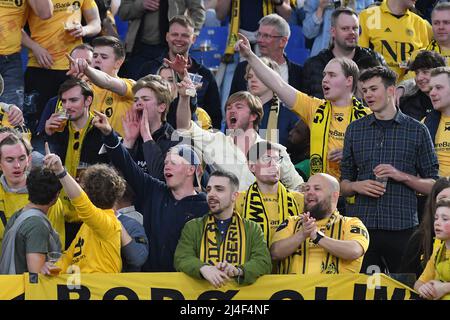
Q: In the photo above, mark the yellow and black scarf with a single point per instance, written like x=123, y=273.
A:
x=231, y=248
x=272, y=122
x=73, y=154
x=319, y=133
x=255, y=210
x=433, y=46
x=233, y=30
x=298, y=262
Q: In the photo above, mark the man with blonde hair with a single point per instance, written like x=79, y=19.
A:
x=228, y=152
x=148, y=147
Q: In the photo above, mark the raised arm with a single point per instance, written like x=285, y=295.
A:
x=185, y=90
x=269, y=77
x=53, y=162
x=79, y=66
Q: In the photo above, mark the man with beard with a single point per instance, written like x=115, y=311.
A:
x=327, y=119
x=344, y=34
x=113, y=95
x=222, y=245
x=319, y=20
x=321, y=240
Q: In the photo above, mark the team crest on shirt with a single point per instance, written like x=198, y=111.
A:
x=109, y=112
x=18, y=3
x=410, y=32
x=109, y=101
x=339, y=117
x=447, y=126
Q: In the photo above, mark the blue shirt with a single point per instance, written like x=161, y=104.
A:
x=406, y=145
x=319, y=30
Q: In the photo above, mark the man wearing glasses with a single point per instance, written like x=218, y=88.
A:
x=73, y=137
x=267, y=201
x=272, y=38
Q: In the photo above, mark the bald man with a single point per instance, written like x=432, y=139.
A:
x=321, y=240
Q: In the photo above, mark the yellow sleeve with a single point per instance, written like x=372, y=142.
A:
x=285, y=229
x=363, y=40
x=103, y=222
x=428, y=273
x=129, y=83
x=429, y=32
x=355, y=230
x=300, y=198
x=305, y=106
x=88, y=4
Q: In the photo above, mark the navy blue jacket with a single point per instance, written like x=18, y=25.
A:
x=295, y=74
x=286, y=121
x=164, y=216
x=135, y=253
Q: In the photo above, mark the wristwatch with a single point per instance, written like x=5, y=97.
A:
x=319, y=235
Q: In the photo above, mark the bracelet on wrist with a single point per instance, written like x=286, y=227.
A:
x=62, y=174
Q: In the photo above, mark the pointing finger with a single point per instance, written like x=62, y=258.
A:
x=47, y=149
x=70, y=58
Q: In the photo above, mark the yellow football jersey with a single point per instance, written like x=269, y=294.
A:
x=396, y=38
x=442, y=146
x=52, y=35
x=306, y=106
x=113, y=105
x=12, y=18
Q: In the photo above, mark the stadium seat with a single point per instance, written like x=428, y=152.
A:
x=210, y=46
x=298, y=55
x=122, y=27
x=296, y=49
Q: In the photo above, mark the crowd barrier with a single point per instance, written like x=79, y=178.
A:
x=178, y=286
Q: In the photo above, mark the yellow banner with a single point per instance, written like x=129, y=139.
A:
x=178, y=286
x=12, y=287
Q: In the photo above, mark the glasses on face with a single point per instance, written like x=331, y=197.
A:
x=76, y=136
x=266, y=36
x=267, y=159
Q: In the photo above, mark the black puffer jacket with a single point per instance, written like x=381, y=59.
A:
x=313, y=68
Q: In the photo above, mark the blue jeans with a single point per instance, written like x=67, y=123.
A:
x=12, y=73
